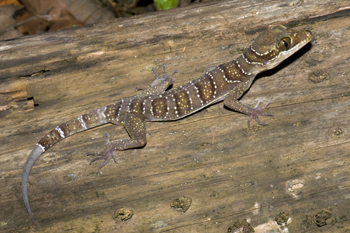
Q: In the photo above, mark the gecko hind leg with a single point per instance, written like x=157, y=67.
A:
x=107, y=154
x=135, y=126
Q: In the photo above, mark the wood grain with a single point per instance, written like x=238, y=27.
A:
x=298, y=164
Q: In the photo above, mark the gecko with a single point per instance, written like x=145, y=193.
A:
x=226, y=82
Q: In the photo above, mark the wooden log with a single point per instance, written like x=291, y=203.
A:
x=297, y=165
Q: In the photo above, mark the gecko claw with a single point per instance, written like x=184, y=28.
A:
x=256, y=112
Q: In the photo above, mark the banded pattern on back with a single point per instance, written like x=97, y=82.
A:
x=174, y=104
x=211, y=87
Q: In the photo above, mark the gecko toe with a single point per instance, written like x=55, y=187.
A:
x=96, y=157
x=259, y=122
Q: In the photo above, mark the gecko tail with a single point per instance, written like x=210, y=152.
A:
x=78, y=124
x=33, y=157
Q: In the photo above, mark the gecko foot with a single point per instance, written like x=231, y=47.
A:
x=106, y=155
x=164, y=77
x=257, y=111
x=160, y=84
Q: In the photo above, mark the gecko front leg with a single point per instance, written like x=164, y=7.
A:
x=231, y=102
x=135, y=125
x=159, y=85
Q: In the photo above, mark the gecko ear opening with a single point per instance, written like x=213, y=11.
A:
x=284, y=44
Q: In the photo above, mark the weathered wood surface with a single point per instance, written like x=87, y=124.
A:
x=298, y=164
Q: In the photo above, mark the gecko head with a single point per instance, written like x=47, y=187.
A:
x=276, y=44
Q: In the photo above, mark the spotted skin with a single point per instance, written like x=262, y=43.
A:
x=227, y=82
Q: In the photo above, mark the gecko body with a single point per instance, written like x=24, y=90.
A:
x=226, y=82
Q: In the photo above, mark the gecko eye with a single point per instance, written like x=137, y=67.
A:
x=284, y=44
